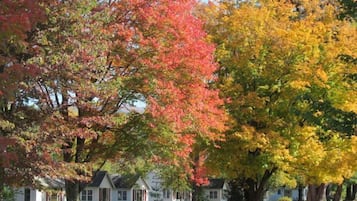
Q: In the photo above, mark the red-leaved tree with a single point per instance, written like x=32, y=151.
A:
x=120, y=80
x=17, y=20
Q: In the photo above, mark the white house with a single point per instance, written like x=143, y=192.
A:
x=155, y=183
x=130, y=188
x=285, y=192
x=48, y=190
x=100, y=188
x=216, y=190
x=160, y=193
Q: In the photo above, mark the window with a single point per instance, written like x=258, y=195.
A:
x=122, y=195
x=183, y=195
x=166, y=193
x=27, y=195
x=287, y=193
x=155, y=195
x=213, y=195
x=138, y=195
x=87, y=195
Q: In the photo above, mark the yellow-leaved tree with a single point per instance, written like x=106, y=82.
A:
x=288, y=75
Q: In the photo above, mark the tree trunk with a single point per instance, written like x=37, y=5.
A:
x=2, y=184
x=197, y=193
x=328, y=193
x=236, y=190
x=348, y=192
x=316, y=193
x=255, y=195
x=257, y=189
x=301, y=193
x=354, y=191
x=351, y=191
x=71, y=186
x=337, y=196
x=72, y=190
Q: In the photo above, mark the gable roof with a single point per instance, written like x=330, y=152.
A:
x=127, y=181
x=215, y=184
x=98, y=178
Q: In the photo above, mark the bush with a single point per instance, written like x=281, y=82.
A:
x=285, y=199
x=8, y=194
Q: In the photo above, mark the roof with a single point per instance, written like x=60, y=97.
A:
x=127, y=181
x=98, y=177
x=215, y=183
x=49, y=183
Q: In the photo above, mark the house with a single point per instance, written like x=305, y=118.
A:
x=274, y=195
x=216, y=190
x=28, y=194
x=130, y=188
x=160, y=193
x=155, y=183
x=47, y=190
x=100, y=188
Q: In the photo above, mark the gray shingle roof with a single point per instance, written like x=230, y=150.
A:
x=49, y=183
x=97, y=178
x=215, y=184
x=127, y=181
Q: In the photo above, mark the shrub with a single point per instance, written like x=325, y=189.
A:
x=8, y=194
x=285, y=199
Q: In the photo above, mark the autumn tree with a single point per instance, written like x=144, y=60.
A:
x=17, y=21
x=99, y=62
x=283, y=75
x=348, y=10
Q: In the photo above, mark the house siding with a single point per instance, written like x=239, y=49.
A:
x=35, y=195
x=115, y=194
x=292, y=193
x=129, y=192
x=130, y=195
x=220, y=195
x=20, y=194
x=106, y=183
x=220, y=189
x=95, y=193
x=38, y=195
x=140, y=184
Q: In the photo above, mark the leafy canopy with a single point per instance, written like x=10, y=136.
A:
x=98, y=63
x=287, y=74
